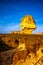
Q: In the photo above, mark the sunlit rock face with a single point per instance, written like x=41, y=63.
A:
x=27, y=24
x=40, y=33
x=18, y=31
x=20, y=48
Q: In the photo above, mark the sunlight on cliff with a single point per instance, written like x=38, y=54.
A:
x=27, y=24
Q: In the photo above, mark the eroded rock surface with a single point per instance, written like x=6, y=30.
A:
x=27, y=24
x=29, y=49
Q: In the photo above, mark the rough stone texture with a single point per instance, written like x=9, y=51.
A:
x=14, y=56
x=27, y=24
x=6, y=57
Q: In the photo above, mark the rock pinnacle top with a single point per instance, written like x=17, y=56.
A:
x=27, y=24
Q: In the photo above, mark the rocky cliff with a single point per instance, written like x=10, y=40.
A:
x=18, y=49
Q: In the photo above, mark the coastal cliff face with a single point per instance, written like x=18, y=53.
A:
x=18, y=49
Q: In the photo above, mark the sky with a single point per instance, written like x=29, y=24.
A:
x=12, y=11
